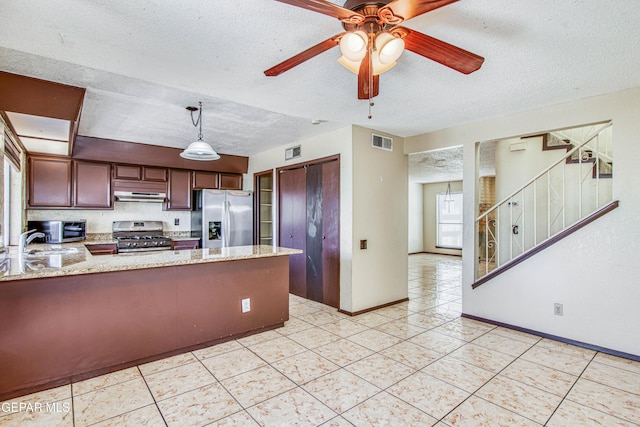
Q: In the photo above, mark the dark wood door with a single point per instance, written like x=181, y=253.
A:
x=49, y=182
x=292, y=230
x=331, y=233
x=314, y=232
x=179, y=193
x=92, y=188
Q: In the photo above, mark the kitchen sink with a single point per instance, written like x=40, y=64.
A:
x=52, y=251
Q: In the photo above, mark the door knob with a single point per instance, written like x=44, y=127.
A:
x=290, y=236
x=324, y=237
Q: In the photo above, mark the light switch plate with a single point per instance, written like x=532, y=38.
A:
x=246, y=305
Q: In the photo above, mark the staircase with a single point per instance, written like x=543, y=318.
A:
x=572, y=192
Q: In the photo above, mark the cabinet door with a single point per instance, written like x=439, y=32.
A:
x=185, y=244
x=230, y=181
x=49, y=182
x=127, y=172
x=179, y=193
x=205, y=180
x=92, y=185
x=292, y=197
x=154, y=174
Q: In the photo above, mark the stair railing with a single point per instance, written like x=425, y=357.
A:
x=531, y=215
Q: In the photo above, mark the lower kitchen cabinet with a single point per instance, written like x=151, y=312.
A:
x=102, y=248
x=185, y=244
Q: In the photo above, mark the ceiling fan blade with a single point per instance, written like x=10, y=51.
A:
x=304, y=56
x=439, y=51
x=366, y=81
x=401, y=10
x=327, y=8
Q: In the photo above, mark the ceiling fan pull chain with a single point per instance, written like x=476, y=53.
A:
x=370, y=76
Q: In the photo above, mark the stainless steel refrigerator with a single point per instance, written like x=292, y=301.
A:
x=222, y=218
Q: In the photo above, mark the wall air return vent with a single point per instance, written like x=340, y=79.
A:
x=292, y=153
x=383, y=142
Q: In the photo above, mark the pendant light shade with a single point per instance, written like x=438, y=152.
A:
x=199, y=150
x=354, y=45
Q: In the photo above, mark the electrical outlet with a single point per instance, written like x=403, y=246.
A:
x=363, y=244
x=557, y=309
x=246, y=305
x=176, y=221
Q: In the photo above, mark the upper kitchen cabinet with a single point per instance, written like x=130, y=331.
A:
x=202, y=180
x=49, y=182
x=92, y=185
x=230, y=181
x=179, y=194
x=57, y=182
x=140, y=173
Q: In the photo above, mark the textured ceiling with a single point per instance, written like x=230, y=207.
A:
x=446, y=165
x=142, y=62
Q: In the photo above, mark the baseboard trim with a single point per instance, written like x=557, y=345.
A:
x=355, y=313
x=557, y=338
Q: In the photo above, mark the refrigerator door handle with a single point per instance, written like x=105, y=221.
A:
x=227, y=229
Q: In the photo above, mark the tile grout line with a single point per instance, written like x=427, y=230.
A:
x=155, y=402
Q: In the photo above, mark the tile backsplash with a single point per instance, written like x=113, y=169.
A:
x=100, y=221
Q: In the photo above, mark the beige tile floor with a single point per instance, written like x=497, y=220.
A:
x=413, y=364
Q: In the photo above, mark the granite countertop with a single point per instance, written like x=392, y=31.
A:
x=74, y=258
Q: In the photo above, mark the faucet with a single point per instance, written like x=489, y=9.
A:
x=25, y=239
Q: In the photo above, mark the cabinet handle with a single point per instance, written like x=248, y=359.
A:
x=324, y=237
x=290, y=236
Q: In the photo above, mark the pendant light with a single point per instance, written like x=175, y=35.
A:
x=199, y=150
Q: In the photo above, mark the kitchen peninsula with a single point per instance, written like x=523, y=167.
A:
x=66, y=314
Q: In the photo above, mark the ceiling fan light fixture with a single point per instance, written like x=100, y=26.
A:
x=353, y=66
x=377, y=65
x=389, y=47
x=353, y=45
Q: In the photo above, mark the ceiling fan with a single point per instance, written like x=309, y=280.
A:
x=373, y=39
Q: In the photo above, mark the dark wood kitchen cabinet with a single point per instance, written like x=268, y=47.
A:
x=179, y=245
x=203, y=180
x=140, y=173
x=230, y=181
x=49, y=182
x=179, y=190
x=92, y=185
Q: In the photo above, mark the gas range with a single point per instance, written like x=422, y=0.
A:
x=138, y=236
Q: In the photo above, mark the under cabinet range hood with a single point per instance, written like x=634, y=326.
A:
x=139, y=196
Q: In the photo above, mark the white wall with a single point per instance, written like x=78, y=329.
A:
x=593, y=272
x=100, y=221
x=416, y=218
x=380, y=200
x=431, y=217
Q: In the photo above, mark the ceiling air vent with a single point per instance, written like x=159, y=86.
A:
x=292, y=153
x=383, y=142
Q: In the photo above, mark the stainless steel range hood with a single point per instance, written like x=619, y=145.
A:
x=139, y=196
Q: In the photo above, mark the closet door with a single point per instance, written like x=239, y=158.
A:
x=314, y=232
x=331, y=233
x=292, y=230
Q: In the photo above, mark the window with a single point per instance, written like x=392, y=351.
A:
x=449, y=210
